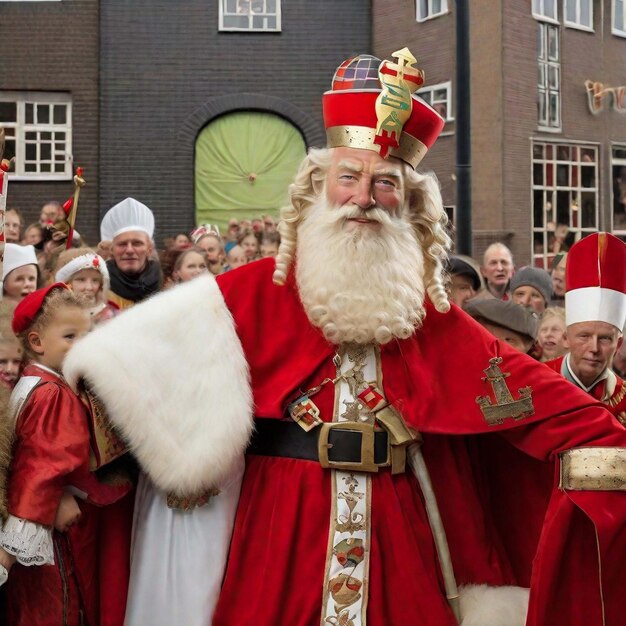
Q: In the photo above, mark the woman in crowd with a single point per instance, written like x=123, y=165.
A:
x=13, y=225
x=250, y=244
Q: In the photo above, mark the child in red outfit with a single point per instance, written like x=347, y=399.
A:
x=52, y=531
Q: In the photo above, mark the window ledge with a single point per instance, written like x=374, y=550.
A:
x=421, y=20
x=574, y=26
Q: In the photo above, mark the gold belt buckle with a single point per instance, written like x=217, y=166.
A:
x=367, y=446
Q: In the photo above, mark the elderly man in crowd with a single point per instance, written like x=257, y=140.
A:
x=135, y=275
x=359, y=372
x=50, y=213
x=497, y=270
x=532, y=287
x=595, y=314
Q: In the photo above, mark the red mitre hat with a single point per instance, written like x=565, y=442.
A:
x=595, y=280
x=28, y=308
x=371, y=106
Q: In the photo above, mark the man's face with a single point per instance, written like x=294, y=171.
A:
x=461, y=289
x=361, y=178
x=131, y=252
x=592, y=346
x=558, y=279
x=49, y=214
x=497, y=267
x=213, y=249
x=514, y=339
x=530, y=297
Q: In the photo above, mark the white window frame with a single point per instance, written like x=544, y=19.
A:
x=577, y=24
x=21, y=128
x=614, y=9
x=430, y=14
x=550, y=192
x=539, y=11
x=429, y=92
x=544, y=90
x=224, y=13
x=614, y=162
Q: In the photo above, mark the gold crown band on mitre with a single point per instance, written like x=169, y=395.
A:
x=411, y=150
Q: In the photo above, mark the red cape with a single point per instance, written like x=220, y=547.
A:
x=492, y=489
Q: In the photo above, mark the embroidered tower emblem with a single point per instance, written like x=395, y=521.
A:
x=505, y=405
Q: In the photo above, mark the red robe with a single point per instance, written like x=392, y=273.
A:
x=51, y=452
x=494, y=506
x=615, y=402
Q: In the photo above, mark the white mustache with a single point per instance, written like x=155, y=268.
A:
x=350, y=212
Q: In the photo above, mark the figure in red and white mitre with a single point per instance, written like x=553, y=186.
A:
x=595, y=315
x=402, y=456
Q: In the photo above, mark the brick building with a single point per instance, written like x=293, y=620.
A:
x=145, y=96
x=49, y=59
x=548, y=160
x=164, y=73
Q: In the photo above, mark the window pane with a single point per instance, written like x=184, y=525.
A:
x=259, y=22
x=28, y=112
x=553, y=77
x=554, y=110
x=31, y=151
x=8, y=111
x=585, y=13
x=436, y=6
x=538, y=151
x=541, y=42
x=563, y=207
x=588, y=155
x=619, y=15
x=538, y=209
x=30, y=167
x=536, y=6
x=570, y=10
x=619, y=197
x=553, y=43
x=588, y=176
x=271, y=23
x=9, y=148
x=541, y=108
x=59, y=168
x=45, y=167
x=562, y=175
x=271, y=6
x=537, y=174
x=45, y=151
x=43, y=114
x=236, y=21
x=423, y=9
x=60, y=114
x=541, y=82
x=588, y=210
x=550, y=8
x=231, y=6
x=45, y=136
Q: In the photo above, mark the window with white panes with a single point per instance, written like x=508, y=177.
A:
x=439, y=97
x=427, y=9
x=250, y=15
x=548, y=77
x=545, y=10
x=618, y=174
x=38, y=128
x=565, y=197
x=578, y=14
x=619, y=18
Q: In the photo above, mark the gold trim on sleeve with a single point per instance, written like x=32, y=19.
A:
x=593, y=469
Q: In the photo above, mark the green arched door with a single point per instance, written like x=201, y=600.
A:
x=244, y=164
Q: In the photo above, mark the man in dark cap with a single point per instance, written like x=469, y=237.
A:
x=465, y=281
x=506, y=320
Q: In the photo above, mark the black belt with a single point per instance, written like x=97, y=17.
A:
x=287, y=439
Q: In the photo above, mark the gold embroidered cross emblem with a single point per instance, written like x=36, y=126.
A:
x=505, y=405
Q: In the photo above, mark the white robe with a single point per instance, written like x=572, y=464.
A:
x=178, y=557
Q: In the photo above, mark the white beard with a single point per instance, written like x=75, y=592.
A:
x=360, y=286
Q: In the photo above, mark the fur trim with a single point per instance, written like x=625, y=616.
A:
x=173, y=377
x=482, y=605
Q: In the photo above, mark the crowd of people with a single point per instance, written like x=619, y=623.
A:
x=200, y=435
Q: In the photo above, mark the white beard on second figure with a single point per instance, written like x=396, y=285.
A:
x=359, y=286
